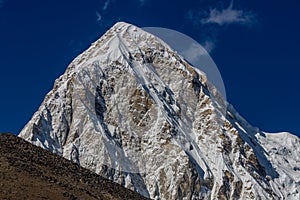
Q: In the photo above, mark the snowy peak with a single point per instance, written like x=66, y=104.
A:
x=133, y=110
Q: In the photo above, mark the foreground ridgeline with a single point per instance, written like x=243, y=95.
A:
x=30, y=172
x=132, y=110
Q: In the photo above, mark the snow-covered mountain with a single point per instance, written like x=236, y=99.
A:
x=131, y=109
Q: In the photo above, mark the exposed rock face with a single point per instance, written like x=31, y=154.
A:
x=131, y=109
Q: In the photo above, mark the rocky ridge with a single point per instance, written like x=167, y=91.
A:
x=30, y=172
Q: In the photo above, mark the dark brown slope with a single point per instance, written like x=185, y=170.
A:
x=30, y=172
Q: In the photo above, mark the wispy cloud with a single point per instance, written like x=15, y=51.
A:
x=209, y=45
x=99, y=16
x=193, y=51
x=106, y=4
x=211, y=21
x=228, y=16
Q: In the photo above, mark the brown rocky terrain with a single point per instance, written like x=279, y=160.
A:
x=30, y=172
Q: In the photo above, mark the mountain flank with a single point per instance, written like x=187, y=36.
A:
x=133, y=110
x=30, y=172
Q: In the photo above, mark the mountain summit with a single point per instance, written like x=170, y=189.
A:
x=131, y=109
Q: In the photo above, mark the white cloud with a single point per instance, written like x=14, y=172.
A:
x=106, y=4
x=208, y=45
x=218, y=16
x=228, y=16
x=99, y=16
x=193, y=52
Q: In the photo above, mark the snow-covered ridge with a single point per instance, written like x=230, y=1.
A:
x=133, y=110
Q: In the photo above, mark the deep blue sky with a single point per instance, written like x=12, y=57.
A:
x=255, y=45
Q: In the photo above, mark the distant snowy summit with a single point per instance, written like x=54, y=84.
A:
x=131, y=109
